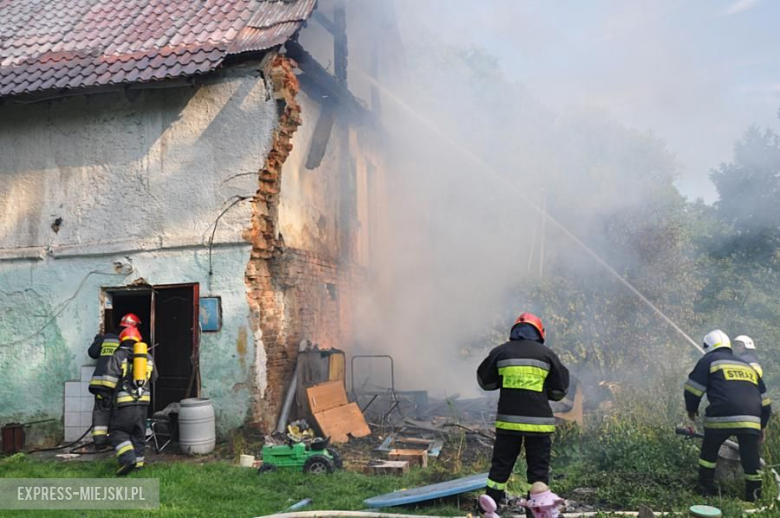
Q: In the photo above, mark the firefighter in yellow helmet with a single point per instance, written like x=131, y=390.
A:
x=134, y=369
x=738, y=405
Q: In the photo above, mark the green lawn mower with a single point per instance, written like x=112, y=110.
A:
x=315, y=458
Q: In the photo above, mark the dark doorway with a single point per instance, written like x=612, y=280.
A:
x=169, y=324
x=175, y=351
x=129, y=300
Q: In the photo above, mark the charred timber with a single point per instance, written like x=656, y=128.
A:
x=324, y=87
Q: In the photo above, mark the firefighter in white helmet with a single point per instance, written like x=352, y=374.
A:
x=745, y=349
x=738, y=405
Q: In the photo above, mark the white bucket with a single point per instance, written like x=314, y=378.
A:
x=197, y=431
x=247, y=461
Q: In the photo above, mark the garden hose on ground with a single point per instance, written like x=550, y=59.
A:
x=55, y=448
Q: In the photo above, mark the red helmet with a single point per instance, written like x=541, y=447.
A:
x=130, y=333
x=530, y=318
x=130, y=320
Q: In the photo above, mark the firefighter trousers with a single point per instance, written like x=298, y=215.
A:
x=748, y=454
x=505, y=452
x=101, y=418
x=128, y=434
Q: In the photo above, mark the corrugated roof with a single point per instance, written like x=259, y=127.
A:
x=69, y=44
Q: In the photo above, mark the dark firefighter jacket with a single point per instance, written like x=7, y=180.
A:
x=736, y=392
x=102, y=349
x=751, y=358
x=120, y=366
x=529, y=374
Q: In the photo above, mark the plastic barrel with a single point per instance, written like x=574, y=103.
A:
x=197, y=433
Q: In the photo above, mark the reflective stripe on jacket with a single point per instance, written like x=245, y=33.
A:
x=736, y=393
x=529, y=375
x=103, y=348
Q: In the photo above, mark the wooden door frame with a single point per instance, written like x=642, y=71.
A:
x=195, y=356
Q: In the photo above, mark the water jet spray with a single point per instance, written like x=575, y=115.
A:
x=464, y=151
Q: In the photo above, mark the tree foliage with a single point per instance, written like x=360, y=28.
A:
x=749, y=196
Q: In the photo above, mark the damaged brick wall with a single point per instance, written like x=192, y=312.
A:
x=293, y=294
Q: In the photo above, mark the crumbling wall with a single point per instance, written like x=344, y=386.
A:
x=299, y=285
x=266, y=299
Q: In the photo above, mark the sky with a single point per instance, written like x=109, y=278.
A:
x=696, y=73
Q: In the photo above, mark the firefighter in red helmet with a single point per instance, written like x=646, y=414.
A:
x=130, y=320
x=131, y=400
x=529, y=375
x=101, y=384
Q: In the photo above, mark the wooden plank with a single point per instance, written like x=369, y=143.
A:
x=387, y=467
x=339, y=423
x=575, y=414
x=337, y=367
x=326, y=396
x=414, y=457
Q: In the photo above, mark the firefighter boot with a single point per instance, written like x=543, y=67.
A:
x=752, y=490
x=706, y=485
x=125, y=469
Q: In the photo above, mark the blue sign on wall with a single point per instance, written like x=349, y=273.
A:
x=210, y=314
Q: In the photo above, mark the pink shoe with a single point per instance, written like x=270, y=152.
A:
x=488, y=507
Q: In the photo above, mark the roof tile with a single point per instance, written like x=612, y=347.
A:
x=66, y=44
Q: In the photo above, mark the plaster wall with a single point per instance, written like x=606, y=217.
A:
x=310, y=198
x=310, y=216
x=156, y=169
x=89, y=181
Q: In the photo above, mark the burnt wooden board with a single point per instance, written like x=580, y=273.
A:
x=335, y=416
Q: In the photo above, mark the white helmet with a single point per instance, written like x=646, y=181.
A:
x=746, y=341
x=715, y=339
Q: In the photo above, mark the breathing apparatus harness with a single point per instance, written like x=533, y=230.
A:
x=135, y=386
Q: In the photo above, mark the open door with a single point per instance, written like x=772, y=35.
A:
x=175, y=344
x=169, y=324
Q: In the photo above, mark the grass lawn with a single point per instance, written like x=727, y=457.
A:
x=626, y=457
x=222, y=489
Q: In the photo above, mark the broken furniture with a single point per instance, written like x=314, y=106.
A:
x=432, y=492
x=374, y=395
x=164, y=426
x=335, y=416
